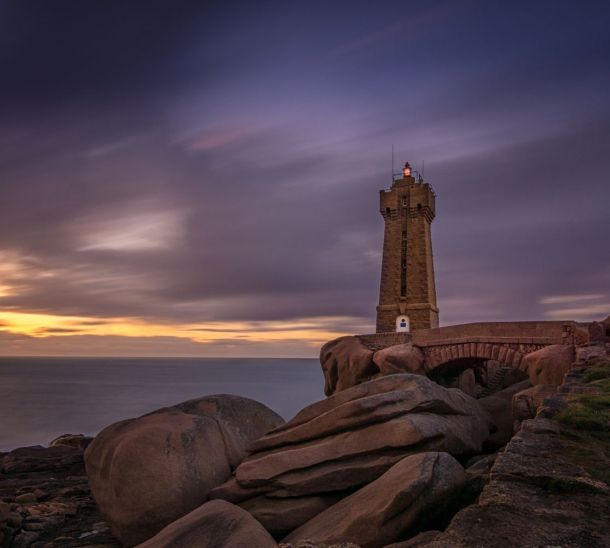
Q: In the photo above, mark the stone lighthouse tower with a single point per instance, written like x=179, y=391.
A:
x=407, y=296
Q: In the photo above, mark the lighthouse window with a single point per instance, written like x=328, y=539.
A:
x=404, y=201
x=404, y=234
x=418, y=207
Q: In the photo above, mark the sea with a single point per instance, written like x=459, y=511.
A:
x=42, y=398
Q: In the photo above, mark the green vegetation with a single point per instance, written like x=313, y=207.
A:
x=599, y=370
x=585, y=425
x=591, y=411
x=588, y=412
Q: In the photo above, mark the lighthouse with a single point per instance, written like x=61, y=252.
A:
x=407, y=293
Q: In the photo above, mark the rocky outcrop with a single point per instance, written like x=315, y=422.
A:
x=549, y=487
x=478, y=470
x=410, y=493
x=147, y=472
x=400, y=358
x=588, y=352
x=466, y=383
x=526, y=403
x=216, y=524
x=351, y=439
x=499, y=407
x=45, y=500
x=72, y=440
x=346, y=362
x=549, y=364
x=368, y=466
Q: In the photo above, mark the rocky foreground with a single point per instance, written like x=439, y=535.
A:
x=46, y=500
x=395, y=460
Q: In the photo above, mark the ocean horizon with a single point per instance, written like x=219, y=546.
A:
x=44, y=397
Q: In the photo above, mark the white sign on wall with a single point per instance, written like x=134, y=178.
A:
x=402, y=324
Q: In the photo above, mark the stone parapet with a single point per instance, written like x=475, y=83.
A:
x=509, y=333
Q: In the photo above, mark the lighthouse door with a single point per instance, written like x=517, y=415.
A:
x=402, y=324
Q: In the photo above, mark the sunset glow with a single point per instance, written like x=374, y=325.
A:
x=210, y=186
x=306, y=332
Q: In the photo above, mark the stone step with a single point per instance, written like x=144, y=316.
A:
x=496, y=382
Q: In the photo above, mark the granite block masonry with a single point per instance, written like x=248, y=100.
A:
x=407, y=294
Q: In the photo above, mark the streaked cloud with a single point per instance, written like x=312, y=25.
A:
x=563, y=299
x=215, y=191
x=133, y=231
x=215, y=138
x=583, y=313
x=584, y=307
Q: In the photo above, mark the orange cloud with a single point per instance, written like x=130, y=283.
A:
x=307, y=333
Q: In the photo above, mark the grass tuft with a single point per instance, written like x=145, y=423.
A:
x=600, y=370
x=585, y=425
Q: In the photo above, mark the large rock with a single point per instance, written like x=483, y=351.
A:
x=400, y=358
x=279, y=516
x=346, y=362
x=500, y=409
x=356, y=435
x=525, y=403
x=466, y=382
x=549, y=364
x=216, y=524
x=412, y=492
x=147, y=472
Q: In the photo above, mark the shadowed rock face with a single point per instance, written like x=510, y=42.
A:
x=147, y=472
x=346, y=362
x=216, y=524
x=526, y=403
x=350, y=439
x=279, y=516
x=382, y=512
x=499, y=407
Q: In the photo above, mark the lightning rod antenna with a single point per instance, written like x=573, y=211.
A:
x=392, y=162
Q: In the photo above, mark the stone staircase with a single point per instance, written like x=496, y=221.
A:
x=496, y=382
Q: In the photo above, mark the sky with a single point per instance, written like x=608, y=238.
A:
x=202, y=178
